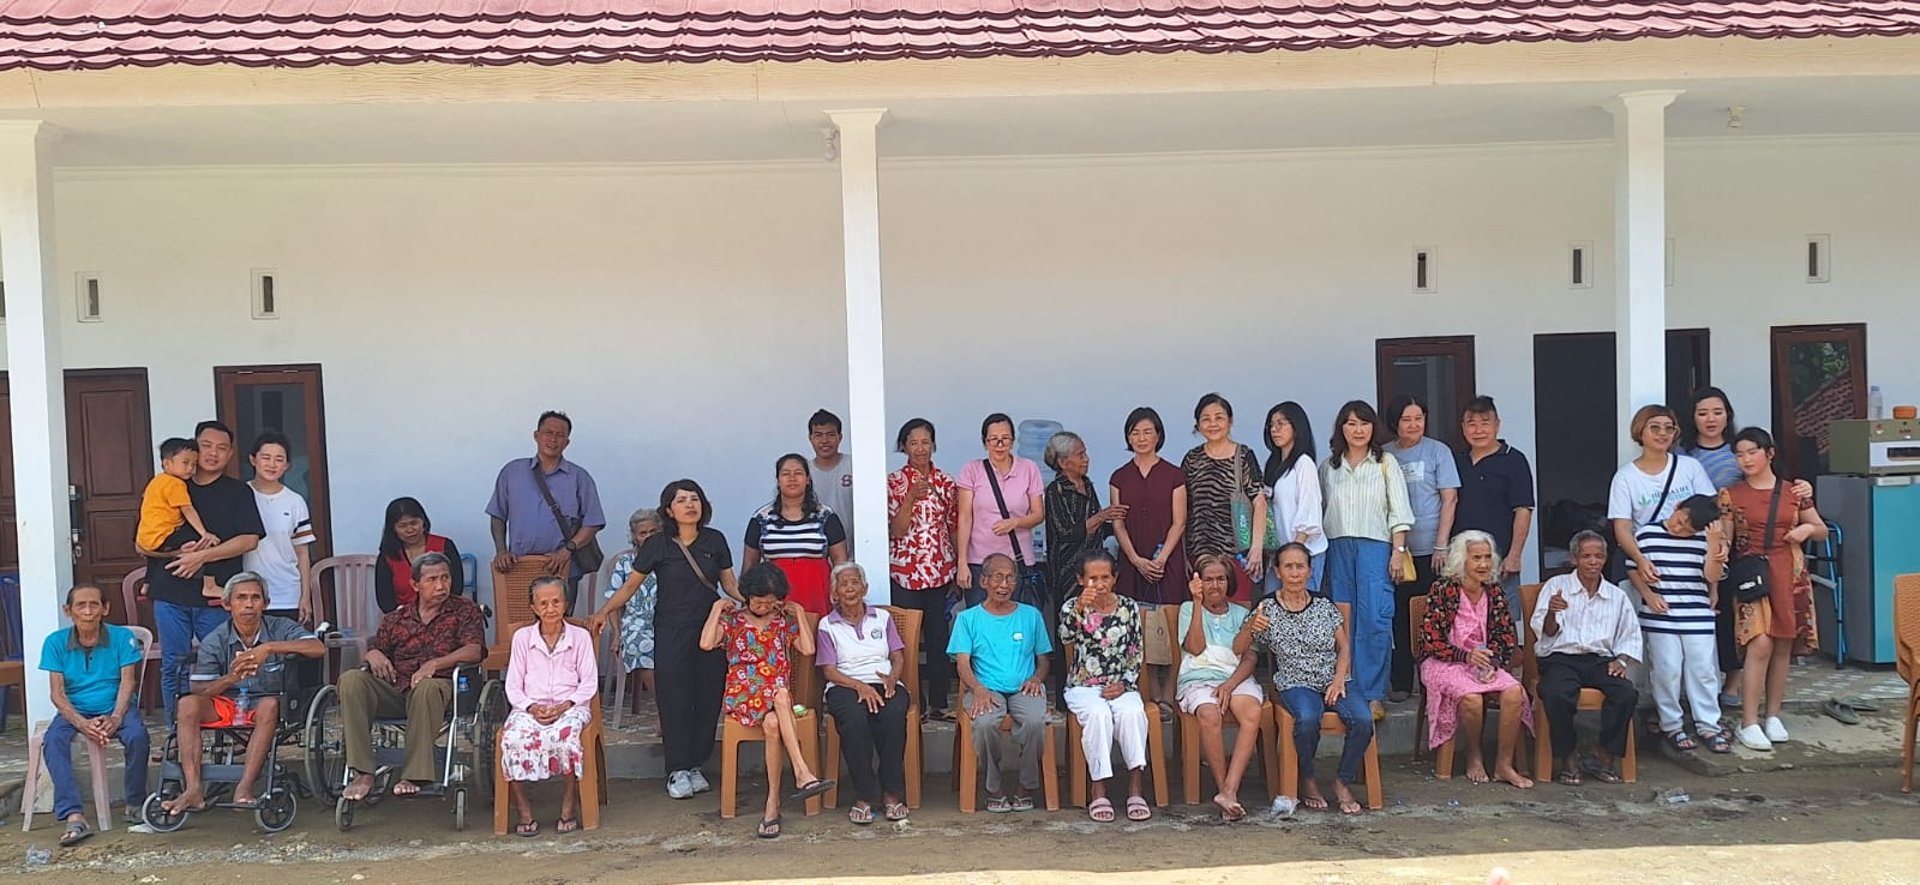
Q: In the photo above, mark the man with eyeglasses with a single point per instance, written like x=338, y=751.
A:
x=1000, y=649
x=545, y=508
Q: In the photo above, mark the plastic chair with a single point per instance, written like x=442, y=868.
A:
x=1156, y=746
x=1289, y=756
x=132, y=590
x=96, y=754
x=1266, y=751
x=470, y=576
x=907, y=622
x=966, y=765
x=613, y=676
x=1906, y=649
x=593, y=765
x=13, y=667
x=733, y=734
x=1443, y=758
x=1590, y=702
x=355, y=614
x=511, y=608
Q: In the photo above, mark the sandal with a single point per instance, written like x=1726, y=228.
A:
x=1138, y=809
x=769, y=828
x=1681, y=741
x=896, y=811
x=528, y=828
x=941, y=715
x=77, y=832
x=1022, y=802
x=813, y=788
x=999, y=804
x=1602, y=774
x=861, y=814
x=1100, y=811
x=1718, y=742
x=566, y=825
x=404, y=788
x=1568, y=778
x=1314, y=803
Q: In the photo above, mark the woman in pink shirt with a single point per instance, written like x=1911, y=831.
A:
x=551, y=678
x=983, y=530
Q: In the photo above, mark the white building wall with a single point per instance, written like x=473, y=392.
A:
x=690, y=319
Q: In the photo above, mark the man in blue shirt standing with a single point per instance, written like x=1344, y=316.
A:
x=1001, y=649
x=546, y=508
x=92, y=668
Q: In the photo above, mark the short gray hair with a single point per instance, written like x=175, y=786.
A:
x=428, y=560
x=1061, y=445
x=1456, y=563
x=833, y=580
x=543, y=581
x=644, y=514
x=1585, y=535
x=226, y=590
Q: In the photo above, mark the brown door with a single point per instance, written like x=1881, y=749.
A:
x=1437, y=370
x=255, y=399
x=110, y=457
x=1819, y=377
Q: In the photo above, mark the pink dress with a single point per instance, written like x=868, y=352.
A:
x=1448, y=681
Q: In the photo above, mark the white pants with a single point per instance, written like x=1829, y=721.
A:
x=1102, y=722
x=1684, y=664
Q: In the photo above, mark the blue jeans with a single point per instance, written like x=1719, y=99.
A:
x=1306, y=706
x=179, y=626
x=59, y=762
x=1357, y=573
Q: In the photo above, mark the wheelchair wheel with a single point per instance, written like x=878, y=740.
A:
x=325, y=745
x=492, y=714
x=156, y=817
x=276, y=811
x=460, y=809
x=343, y=813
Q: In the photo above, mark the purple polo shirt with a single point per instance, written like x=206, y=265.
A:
x=530, y=525
x=862, y=651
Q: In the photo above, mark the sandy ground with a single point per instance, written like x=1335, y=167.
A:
x=1828, y=824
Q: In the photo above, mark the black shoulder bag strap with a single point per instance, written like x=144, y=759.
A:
x=993, y=479
x=566, y=531
x=1673, y=466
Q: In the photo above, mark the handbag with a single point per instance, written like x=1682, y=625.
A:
x=1748, y=574
x=1032, y=589
x=1243, y=510
x=1407, y=574
x=589, y=555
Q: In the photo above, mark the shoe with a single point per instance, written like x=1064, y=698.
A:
x=699, y=780
x=1776, y=730
x=679, y=786
x=1729, y=701
x=1753, y=738
x=1398, y=697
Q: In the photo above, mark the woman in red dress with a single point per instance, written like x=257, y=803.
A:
x=1153, y=557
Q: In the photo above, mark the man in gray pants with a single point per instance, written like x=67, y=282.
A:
x=1001, y=649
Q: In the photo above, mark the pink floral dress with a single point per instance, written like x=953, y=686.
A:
x=1448, y=681
x=757, y=665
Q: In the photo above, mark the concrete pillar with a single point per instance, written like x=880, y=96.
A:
x=1640, y=247
x=866, y=356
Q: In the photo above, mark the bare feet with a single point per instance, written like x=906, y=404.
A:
x=1310, y=797
x=191, y=801
x=404, y=787
x=358, y=790
x=1230, y=810
x=1348, y=804
x=1507, y=774
x=1476, y=770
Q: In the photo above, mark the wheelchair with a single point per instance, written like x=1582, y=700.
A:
x=464, y=746
x=224, y=752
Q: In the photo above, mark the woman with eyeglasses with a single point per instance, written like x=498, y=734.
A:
x=1648, y=488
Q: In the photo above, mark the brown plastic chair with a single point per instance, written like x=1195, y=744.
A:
x=1330, y=723
x=1443, y=758
x=1156, y=746
x=1906, y=642
x=966, y=765
x=511, y=607
x=907, y=622
x=1590, y=702
x=733, y=734
x=1266, y=751
x=593, y=764
x=96, y=754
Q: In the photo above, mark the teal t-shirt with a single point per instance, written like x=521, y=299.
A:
x=1219, y=630
x=92, y=675
x=1003, y=647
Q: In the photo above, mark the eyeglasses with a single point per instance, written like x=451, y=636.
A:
x=997, y=579
x=999, y=439
x=1662, y=428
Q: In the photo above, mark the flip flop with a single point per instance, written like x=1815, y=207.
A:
x=566, y=825
x=248, y=804
x=1138, y=809
x=815, y=788
x=527, y=828
x=1314, y=803
x=769, y=828
x=897, y=811
x=77, y=832
x=860, y=814
x=1350, y=806
x=1568, y=778
x=1022, y=803
x=1603, y=775
x=1841, y=711
x=999, y=804
x=1100, y=811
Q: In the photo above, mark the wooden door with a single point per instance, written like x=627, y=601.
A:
x=1437, y=370
x=287, y=399
x=110, y=457
x=1819, y=377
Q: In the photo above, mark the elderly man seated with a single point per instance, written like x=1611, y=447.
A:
x=92, y=668
x=238, y=675
x=1587, y=632
x=1001, y=649
x=409, y=667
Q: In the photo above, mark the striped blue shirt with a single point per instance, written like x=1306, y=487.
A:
x=1719, y=464
x=1682, y=564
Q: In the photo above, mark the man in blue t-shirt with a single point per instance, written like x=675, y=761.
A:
x=1000, y=648
x=92, y=668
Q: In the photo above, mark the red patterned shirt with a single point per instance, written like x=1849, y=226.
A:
x=923, y=559
x=408, y=643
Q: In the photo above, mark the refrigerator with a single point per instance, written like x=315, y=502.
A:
x=1879, y=520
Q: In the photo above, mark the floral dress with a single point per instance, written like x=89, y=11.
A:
x=757, y=664
x=636, y=619
x=1107, y=646
x=1454, y=626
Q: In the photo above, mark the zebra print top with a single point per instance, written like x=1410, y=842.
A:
x=1212, y=484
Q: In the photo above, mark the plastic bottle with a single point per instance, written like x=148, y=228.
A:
x=1876, y=405
x=1284, y=806
x=1484, y=674
x=243, y=714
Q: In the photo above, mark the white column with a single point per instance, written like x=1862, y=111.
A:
x=1640, y=247
x=866, y=355
x=38, y=392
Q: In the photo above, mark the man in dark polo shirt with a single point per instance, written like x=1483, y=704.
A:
x=1496, y=491
x=180, y=609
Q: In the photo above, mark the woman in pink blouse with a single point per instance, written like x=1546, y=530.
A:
x=551, y=678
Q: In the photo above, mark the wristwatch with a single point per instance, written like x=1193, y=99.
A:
x=1400, y=549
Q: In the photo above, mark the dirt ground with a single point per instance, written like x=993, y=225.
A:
x=1843, y=823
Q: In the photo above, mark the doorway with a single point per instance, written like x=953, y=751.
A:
x=1576, y=430
x=1819, y=377
x=1437, y=370
x=286, y=399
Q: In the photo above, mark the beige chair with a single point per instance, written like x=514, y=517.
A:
x=733, y=734
x=1190, y=729
x=1156, y=746
x=1906, y=641
x=96, y=754
x=907, y=622
x=1289, y=761
x=593, y=767
x=355, y=613
x=966, y=765
x=1590, y=702
x=1443, y=758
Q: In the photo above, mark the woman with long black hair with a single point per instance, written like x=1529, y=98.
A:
x=1293, y=487
x=1366, y=524
x=798, y=534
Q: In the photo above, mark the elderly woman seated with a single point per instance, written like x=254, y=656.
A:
x=1215, y=680
x=1102, y=632
x=551, y=680
x=1312, y=661
x=863, y=657
x=1468, y=641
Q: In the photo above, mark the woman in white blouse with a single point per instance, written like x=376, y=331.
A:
x=1647, y=489
x=1294, y=487
x=1366, y=525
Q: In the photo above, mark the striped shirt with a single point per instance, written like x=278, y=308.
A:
x=1681, y=563
x=1719, y=464
x=807, y=537
x=1365, y=501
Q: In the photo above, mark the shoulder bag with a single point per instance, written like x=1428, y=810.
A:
x=1032, y=589
x=587, y=556
x=1748, y=574
x=1243, y=509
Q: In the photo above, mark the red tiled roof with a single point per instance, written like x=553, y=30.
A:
x=81, y=34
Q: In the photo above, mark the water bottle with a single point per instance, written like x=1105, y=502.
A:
x=1284, y=806
x=243, y=713
x=460, y=686
x=1876, y=406
x=1484, y=674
